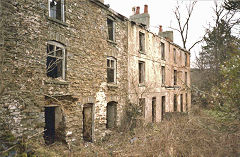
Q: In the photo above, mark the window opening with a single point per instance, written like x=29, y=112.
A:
x=141, y=66
x=175, y=102
x=141, y=42
x=162, y=51
x=55, y=60
x=175, y=55
x=110, y=24
x=111, y=70
x=56, y=9
x=163, y=75
x=175, y=77
x=163, y=105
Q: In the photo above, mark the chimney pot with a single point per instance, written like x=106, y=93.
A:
x=160, y=28
x=138, y=10
x=134, y=10
x=145, y=8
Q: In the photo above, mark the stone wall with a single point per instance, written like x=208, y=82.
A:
x=153, y=87
x=27, y=30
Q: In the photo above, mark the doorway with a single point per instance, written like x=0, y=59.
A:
x=111, y=114
x=49, y=133
x=154, y=109
x=163, y=106
x=88, y=122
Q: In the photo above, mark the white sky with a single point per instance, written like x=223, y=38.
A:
x=161, y=13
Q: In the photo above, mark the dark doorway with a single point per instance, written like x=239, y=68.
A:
x=181, y=102
x=154, y=109
x=87, y=122
x=111, y=114
x=163, y=106
x=49, y=133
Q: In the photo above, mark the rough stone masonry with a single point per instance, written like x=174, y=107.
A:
x=65, y=67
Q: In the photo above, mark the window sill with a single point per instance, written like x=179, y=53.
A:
x=112, y=85
x=57, y=21
x=112, y=42
x=141, y=85
x=142, y=52
x=57, y=82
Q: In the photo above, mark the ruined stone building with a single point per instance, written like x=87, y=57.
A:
x=68, y=68
x=162, y=66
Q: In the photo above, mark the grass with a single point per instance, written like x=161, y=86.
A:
x=196, y=134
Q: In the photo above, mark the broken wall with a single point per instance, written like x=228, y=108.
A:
x=83, y=34
x=153, y=86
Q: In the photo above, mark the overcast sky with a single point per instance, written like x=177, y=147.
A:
x=161, y=13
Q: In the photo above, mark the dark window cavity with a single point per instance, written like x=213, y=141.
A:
x=162, y=51
x=175, y=77
x=55, y=60
x=163, y=75
x=141, y=42
x=175, y=55
x=175, y=103
x=111, y=70
x=56, y=9
x=110, y=25
x=141, y=69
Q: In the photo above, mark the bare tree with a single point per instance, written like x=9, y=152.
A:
x=183, y=26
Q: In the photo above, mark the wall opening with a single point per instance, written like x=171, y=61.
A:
x=163, y=106
x=49, y=133
x=88, y=122
x=175, y=103
x=181, y=103
x=154, y=109
x=111, y=114
x=54, y=126
x=142, y=106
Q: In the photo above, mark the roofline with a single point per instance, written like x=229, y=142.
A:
x=123, y=18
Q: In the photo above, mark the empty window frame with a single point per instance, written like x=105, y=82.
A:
x=56, y=9
x=162, y=51
x=141, y=42
x=175, y=55
x=175, y=103
x=142, y=105
x=175, y=77
x=111, y=70
x=56, y=66
x=111, y=29
x=141, y=69
x=163, y=75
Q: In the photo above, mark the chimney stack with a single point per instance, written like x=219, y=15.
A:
x=138, y=10
x=160, y=29
x=145, y=8
x=134, y=10
x=143, y=19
